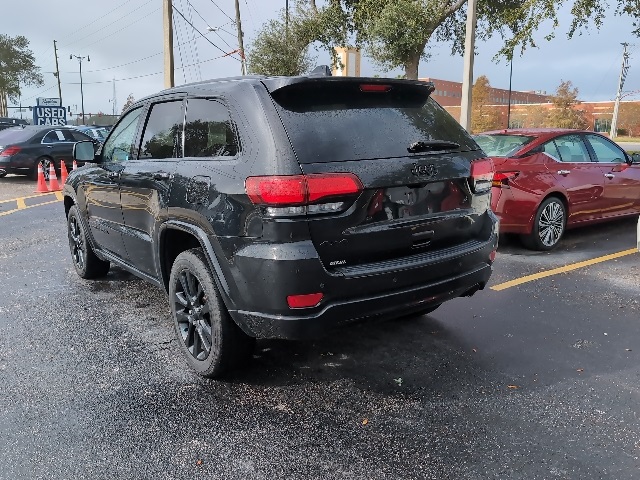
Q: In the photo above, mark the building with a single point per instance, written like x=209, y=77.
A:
x=449, y=94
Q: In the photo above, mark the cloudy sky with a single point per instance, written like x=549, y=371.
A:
x=123, y=38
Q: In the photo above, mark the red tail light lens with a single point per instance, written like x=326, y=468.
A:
x=374, y=87
x=306, y=191
x=482, y=172
x=501, y=179
x=9, y=151
x=304, y=301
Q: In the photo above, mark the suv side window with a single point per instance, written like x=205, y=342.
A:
x=162, y=136
x=572, y=149
x=120, y=143
x=209, y=131
x=550, y=149
x=606, y=152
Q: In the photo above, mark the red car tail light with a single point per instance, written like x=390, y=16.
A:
x=482, y=172
x=288, y=195
x=304, y=301
x=501, y=179
x=9, y=151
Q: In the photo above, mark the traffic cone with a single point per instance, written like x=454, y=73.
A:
x=54, y=186
x=63, y=172
x=75, y=164
x=41, y=187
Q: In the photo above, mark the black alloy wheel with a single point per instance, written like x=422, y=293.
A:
x=210, y=340
x=548, y=226
x=85, y=261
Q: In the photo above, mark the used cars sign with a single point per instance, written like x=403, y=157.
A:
x=49, y=116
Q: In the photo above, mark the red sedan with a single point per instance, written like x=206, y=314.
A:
x=549, y=180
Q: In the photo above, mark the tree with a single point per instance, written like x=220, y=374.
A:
x=629, y=118
x=17, y=66
x=564, y=113
x=483, y=116
x=128, y=103
x=536, y=116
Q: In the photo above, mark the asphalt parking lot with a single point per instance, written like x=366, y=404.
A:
x=530, y=380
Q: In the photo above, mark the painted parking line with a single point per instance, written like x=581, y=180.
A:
x=22, y=205
x=565, y=269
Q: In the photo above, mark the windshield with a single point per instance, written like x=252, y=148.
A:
x=502, y=145
x=14, y=135
x=336, y=121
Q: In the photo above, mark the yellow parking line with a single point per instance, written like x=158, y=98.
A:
x=9, y=212
x=566, y=268
x=24, y=198
x=21, y=204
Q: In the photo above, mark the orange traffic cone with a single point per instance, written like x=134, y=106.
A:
x=41, y=187
x=54, y=186
x=75, y=164
x=63, y=172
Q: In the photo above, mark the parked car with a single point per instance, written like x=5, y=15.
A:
x=548, y=180
x=97, y=133
x=22, y=149
x=281, y=207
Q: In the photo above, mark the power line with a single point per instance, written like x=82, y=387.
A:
x=180, y=13
x=233, y=20
x=124, y=28
x=194, y=45
x=177, y=31
x=106, y=26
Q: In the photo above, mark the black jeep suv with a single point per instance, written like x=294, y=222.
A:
x=279, y=207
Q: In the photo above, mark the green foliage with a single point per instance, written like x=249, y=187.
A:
x=17, y=66
x=564, y=113
x=484, y=117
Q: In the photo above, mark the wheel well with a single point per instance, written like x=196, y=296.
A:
x=172, y=244
x=68, y=203
x=559, y=196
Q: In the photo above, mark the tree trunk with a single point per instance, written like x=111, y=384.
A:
x=411, y=67
x=3, y=104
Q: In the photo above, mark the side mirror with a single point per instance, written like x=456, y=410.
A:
x=84, y=151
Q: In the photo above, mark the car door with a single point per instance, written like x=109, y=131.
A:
x=580, y=177
x=145, y=182
x=54, y=145
x=102, y=190
x=621, y=180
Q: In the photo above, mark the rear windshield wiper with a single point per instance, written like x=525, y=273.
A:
x=431, y=146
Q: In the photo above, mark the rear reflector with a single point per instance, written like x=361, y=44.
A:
x=304, y=301
x=501, y=179
x=291, y=190
x=9, y=151
x=482, y=172
x=374, y=87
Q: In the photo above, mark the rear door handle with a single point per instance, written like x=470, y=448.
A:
x=564, y=172
x=113, y=174
x=161, y=176
x=609, y=175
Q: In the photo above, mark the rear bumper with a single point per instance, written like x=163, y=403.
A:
x=389, y=304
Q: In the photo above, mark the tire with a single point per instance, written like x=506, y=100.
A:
x=210, y=340
x=45, y=162
x=3, y=174
x=548, y=225
x=85, y=262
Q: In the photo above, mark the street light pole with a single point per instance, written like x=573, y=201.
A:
x=467, y=76
x=509, y=107
x=81, y=89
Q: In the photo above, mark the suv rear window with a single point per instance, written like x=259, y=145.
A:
x=335, y=121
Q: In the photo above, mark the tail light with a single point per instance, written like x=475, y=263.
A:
x=374, y=88
x=304, y=301
x=292, y=195
x=9, y=151
x=502, y=179
x=482, y=172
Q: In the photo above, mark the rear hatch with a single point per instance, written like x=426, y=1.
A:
x=412, y=159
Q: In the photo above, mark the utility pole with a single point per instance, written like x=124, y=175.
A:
x=467, y=75
x=623, y=75
x=168, y=44
x=510, y=77
x=286, y=20
x=81, y=89
x=114, y=96
x=240, y=42
x=57, y=74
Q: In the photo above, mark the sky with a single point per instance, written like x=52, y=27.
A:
x=124, y=41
